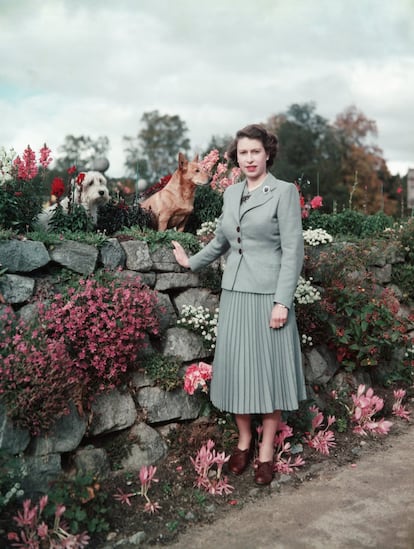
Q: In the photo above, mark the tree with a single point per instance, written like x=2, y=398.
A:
x=364, y=170
x=81, y=151
x=219, y=142
x=309, y=151
x=156, y=147
x=333, y=160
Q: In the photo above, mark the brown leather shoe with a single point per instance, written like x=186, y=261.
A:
x=264, y=472
x=239, y=460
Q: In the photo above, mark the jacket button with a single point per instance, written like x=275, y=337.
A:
x=239, y=239
x=238, y=229
x=240, y=251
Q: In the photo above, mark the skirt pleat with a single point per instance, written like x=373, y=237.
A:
x=256, y=369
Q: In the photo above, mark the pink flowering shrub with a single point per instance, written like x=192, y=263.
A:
x=197, y=377
x=34, y=532
x=104, y=327
x=320, y=438
x=222, y=175
x=365, y=406
x=37, y=377
x=208, y=465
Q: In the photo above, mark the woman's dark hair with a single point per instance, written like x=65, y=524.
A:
x=255, y=131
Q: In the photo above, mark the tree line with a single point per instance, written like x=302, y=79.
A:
x=337, y=160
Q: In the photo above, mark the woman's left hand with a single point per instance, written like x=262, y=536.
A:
x=279, y=316
x=179, y=253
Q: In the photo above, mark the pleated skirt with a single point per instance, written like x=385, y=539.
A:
x=256, y=369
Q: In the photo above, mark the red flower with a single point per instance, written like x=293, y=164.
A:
x=316, y=202
x=80, y=178
x=72, y=170
x=399, y=190
x=58, y=187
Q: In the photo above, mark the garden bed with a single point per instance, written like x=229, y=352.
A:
x=183, y=505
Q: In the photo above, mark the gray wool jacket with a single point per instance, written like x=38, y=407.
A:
x=265, y=243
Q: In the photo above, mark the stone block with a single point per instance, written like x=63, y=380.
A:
x=112, y=411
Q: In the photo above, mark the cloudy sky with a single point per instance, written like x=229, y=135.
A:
x=93, y=67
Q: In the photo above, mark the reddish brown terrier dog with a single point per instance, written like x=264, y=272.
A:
x=171, y=206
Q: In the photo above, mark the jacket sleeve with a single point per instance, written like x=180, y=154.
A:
x=291, y=238
x=214, y=249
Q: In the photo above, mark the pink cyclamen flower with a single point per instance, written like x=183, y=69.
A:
x=122, y=497
x=284, y=431
x=146, y=475
x=60, y=509
x=366, y=405
x=402, y=412
x=29, y=515
x=152, y=507
x=42, y=530
x=320, y=439
x=43, y=502
x=398, y=409
x=399, y=394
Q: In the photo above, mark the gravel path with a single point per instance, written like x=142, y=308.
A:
x=367, y=505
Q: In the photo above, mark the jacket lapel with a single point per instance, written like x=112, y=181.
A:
x=262, y=195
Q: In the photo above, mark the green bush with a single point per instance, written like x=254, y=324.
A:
x=406, y=236
x=157, y=239
x=207, y=207
x=356, y=317
x=19, y=206
x=375, y=224
x=163, y=370
x=403, y=276
x=349, y=223
x=115, y=216
x=86, y=504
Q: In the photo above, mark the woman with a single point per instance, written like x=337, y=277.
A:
x=257, y=364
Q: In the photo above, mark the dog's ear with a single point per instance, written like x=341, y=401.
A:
x=182, y=162
x=195, y=158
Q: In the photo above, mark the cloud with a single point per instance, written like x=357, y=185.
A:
x=93, y=68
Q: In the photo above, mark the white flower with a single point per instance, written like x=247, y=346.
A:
x=307, y=340
x=201, y=321
x=314, y=237
x=306, y=293
x=6, y=165
x=207, y=228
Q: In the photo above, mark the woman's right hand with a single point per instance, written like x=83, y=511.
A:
x=180, y=256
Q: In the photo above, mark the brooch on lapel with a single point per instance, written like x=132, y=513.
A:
x=266, y=189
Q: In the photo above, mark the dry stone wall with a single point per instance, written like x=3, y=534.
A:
x=29, y=263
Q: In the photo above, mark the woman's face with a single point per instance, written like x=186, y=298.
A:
x=252, y=157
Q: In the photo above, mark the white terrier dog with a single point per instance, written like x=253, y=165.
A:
x=89, y=189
